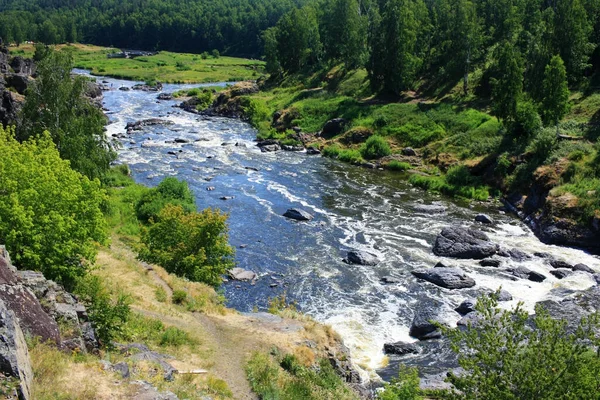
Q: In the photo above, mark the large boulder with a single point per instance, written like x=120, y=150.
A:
x=361, y=258
x=240, y=274
x=526, y=273
x=484, y=219
x=18, y=82
x=298, y=214
x=449, y=278
x=400, y=348
x=14, y=356
x=423, y=326
x=460, y=242
x=333, y=127
x=24, y=66
x=584, y=268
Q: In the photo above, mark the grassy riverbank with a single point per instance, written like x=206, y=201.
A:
x=462, y=150
x=164, y=67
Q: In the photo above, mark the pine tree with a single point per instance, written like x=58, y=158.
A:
x=555, y=103
x=507, y=85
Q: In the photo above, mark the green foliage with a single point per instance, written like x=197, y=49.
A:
x=344, y=32
x=107, y=315
x=350, y=156
x=298, y=40
x=285, y=378
x=215, y=53
x=193, y=245
x=457, y=182
x=175, y=337
x=555, y=97
x=375, y=147
x=169, y=191
x=179, y=296
x=507, y=84
x=396, y=165
x=205, y=100
x=527, y=120
x=405, y=387
x=418, y=135
x=55, y=102
x=152, y=331
x=50, y=215
x=504, y=358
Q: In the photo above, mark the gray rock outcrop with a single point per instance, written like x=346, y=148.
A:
x=461, y=242
x=298, y=214
x=449, y=278
x=361, y=258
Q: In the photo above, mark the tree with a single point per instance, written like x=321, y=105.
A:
x=508, y=355
x=298, y=40
x=50, y=216
x=555, y=100
x=269, y=38
x=193, y=245
x=507, y=83
x=343, y=32
x=55, y=102
x=393, y=61
x=571, y=36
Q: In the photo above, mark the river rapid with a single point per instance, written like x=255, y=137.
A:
x=354, y=208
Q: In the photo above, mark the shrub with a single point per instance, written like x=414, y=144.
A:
x=396, y=165
x=509, y=355
x=193, y=245
x=527, y=121
x=179, y=296
x=256, y=111
x=542, y=145
x=204, y=55
x=418, y=135
x=405, y=387
x=107, y=315
x=350, y=156
x=169, y=191
x=332, y=151
x=173, y=336
x=205, y=100
x=215, y=53
x=50, y=215
x=375, y=147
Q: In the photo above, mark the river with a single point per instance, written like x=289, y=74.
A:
x=354, y=208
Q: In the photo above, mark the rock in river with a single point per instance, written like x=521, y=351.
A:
x=461, y=242
x=361, y=258
x=400, y=348
x=427, y=313
x=484, y=219
x=449, y=278
x=240, y=274
x=525, y=273
x=298, y=214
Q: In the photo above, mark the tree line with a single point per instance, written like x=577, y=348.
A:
x=399, y=41
x=231, y=26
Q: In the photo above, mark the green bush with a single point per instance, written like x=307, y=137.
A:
x=173, y=336
x=215, y=53
x=193, y=245
x=50, y=215
x=527, y=121
x=405, y=387
x=396, y=165
x=375, y=147
x=508, y=355
x=418, y=135
x=169, y=191
x=205, y=100
x=256, y=111
x=350, y=156
x=332, y=151
x=108, y=315
x=179, y=296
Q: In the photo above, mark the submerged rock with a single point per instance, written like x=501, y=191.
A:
x=298, y=214
x=561, y=273
x=489, y=262
x=460, y=242
x=449, y=278
x=560, y=264
x=361, y=258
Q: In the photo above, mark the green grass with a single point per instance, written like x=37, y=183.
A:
x=396, y=165
x=164, y=67
x=150, y=331
x=284, y=378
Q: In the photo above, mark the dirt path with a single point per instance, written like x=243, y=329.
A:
x=226, y=341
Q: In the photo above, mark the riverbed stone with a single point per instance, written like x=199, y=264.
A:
x=361, y=258
x=389, y=280
x=427, y=313
x=561, y=273
x=400, y=348
x=518, y=255
x=490, y=262
x=484, y=219
x=333, y=127
x=298, y=214
x=560, y=264
x=430, y=208
x=240, y=274
x=466, y=306
x=460, y=242
x=583, y=267
x=526, y=273
x=449, y=278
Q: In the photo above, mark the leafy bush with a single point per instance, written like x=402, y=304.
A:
x=396, y=165
x=418, y=135
x=256, y=111
x=107, y=315
x=508, y=355
x=215, y=53
x=375, y=147
x=205, y=100
x=193, y=245
x=405, y=387
x=350, y=156
x=50, y=215
x=169, y=191
x=527, y=121
x=179, y=296
x=542, y=145
x=173, y=336
x=332, y=151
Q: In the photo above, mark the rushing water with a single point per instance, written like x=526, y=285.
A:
x=354, y=208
